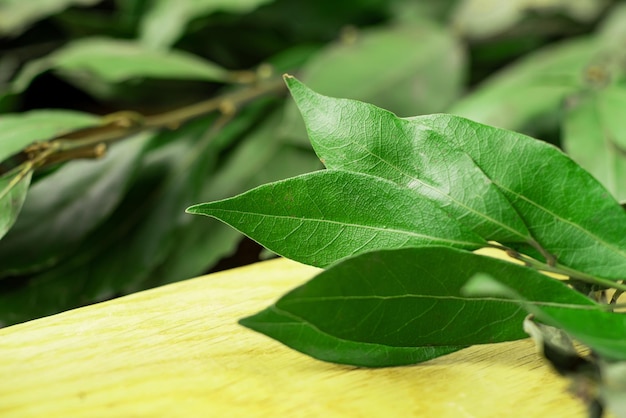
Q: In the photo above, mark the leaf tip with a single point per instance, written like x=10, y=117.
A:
x=194, y=210
x=291, y=81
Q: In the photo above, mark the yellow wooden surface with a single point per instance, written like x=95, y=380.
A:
x=177, y=351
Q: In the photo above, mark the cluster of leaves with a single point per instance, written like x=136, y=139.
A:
x=394, y=218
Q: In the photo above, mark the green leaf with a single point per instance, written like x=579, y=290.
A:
x=302, y=336
x=481, y=19
x=13, y=188
x=152, y=215
x=487, y=177
x=19, y=130
x=588, y=235
x=166, y=21
x=360, y=137
x=594, y=135
x=321, y=217
x=396, y=299
x=426, y=76
x=17, y=15
x=114, y=61
x=530, y=88
x=66, y=205
x=588, y=322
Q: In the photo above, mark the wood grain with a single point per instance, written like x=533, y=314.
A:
x=177, y=351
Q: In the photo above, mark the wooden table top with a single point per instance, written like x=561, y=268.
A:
x=177, y=351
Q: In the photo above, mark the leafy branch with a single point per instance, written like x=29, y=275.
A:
x=395, y=217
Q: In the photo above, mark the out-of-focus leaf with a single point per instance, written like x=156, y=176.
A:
x=324, y=216
x=19, y=130
x=123, y=250
x=613, y=29
x=259, y=159
x=485, y=18
x=536, y=85
x=416, y=12
x=394, y=300
x=409, y=70
x=73, y=200
x=166, y=20
x=17, y=15
x=114, y=61
x=13, y=188
x=594, y=135
x=613, y=387
x=145, y=240
x=563, y=307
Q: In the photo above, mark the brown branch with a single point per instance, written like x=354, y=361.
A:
x=92, y=142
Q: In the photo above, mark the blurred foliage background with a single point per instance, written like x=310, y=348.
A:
x=77, y=231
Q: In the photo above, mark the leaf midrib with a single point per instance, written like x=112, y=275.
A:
x=316, y=299
x=345, y=224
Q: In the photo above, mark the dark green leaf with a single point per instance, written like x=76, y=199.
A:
x=66, y=205
x=401, y=298
x=485, y=176
x=588, y=322
x=321, y=217
x=587, y=234
x=304, y=337
x=148, y=223
x=13, y=188
x=360, y=137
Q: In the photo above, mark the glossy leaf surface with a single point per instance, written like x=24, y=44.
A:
x=321, y=217
x=498, y=182
x=402, y=298
x=305, y=337
x=356, y=136
x=587, y=234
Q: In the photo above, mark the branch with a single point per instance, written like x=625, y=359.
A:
x=92, y=142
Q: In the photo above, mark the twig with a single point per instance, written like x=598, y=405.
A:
x=92, y=142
